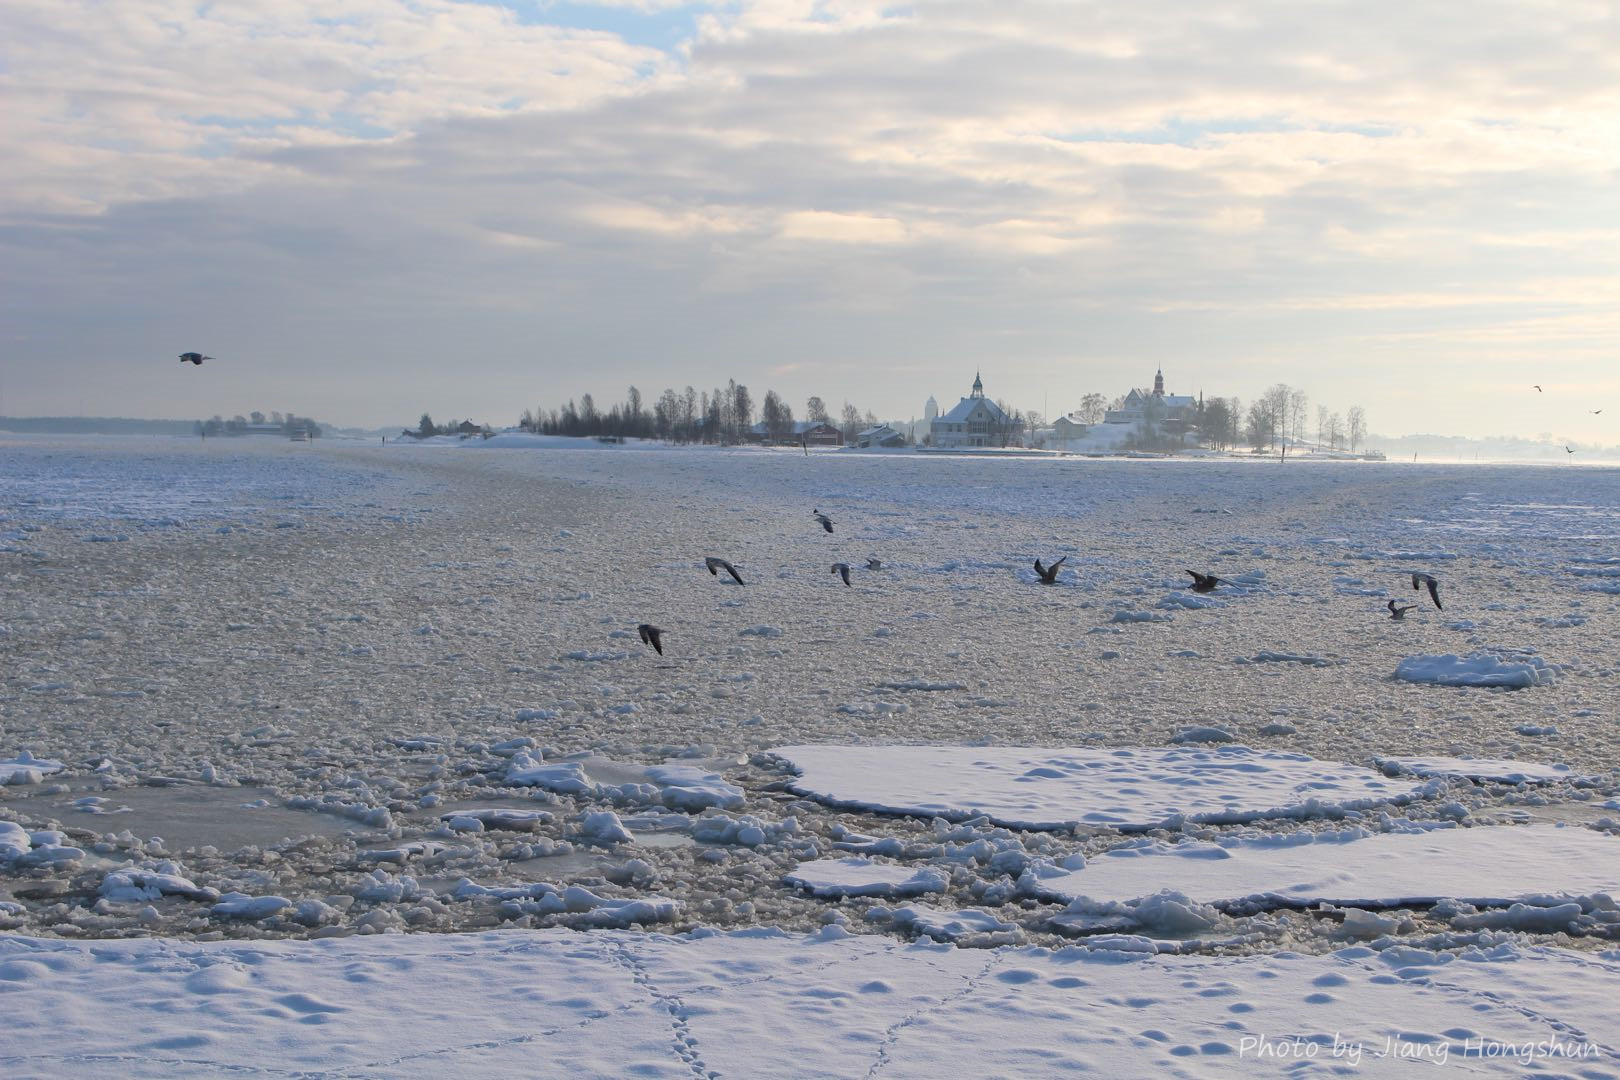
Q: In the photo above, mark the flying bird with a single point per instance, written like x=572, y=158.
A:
x=1537, y=386
x=1398, y=611
x=874, y=564
x=1048, y=574
x=1204, y=582
x=1570, y=450
x=193, y=358
x=1597, y=412
x=1419, y=580
x=842, y=570
x=826, y=522
x=716, y=565
x=651, y=635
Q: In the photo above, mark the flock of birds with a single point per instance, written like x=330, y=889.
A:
x=1570, y=450
x=1047, y=575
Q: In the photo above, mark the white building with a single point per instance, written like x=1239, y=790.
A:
x=1155, y=407
x=976, y=421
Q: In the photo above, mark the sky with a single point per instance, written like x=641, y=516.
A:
x=368, y=209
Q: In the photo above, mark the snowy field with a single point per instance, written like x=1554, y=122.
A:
x=261, y=695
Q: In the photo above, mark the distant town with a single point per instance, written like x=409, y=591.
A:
x=1147, y=419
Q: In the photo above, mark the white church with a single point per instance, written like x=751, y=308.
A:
x=975, y=421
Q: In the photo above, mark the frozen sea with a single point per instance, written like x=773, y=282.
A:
x=281, y=717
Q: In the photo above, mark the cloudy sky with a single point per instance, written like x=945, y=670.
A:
x=368, y=208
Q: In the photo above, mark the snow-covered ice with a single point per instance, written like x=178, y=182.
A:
x=351, y=693
x=1485, y=865
x=857, y=876
x=1507, y=772
x=1128, y=789
x=1515, y=670
x=611, y=1004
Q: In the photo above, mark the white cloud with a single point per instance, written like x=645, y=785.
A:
x=1076, y=191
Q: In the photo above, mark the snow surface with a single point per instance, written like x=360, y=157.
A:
x=856, y=876
x=1128, y=789
x=305, y=675
x=1494, y=865
x=613, y=1004
x=1510, y=772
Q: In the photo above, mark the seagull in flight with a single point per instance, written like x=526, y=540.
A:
x=1049, y=574
x=1398, y=611
x=826, y=522
x=651, y=635
x=874, y=564
x=715, y=565
x=193, y=358
x=842, y=570
x=1419, y=580
x=1204, y=582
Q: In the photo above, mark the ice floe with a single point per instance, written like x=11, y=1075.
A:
x=1515, y=670
x=1509, y=772
x=856, y=876
x=1485, y=865
x=1052, y=789
x=25, y=768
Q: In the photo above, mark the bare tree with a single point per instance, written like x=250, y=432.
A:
x=1357, y=426
x=850, y=423
x=815, y=411
x=1217, y=422
x=1298, y=403
x=1092, y=408
x=1321, y=423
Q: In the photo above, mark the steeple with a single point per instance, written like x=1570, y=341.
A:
x=978, y=386
x=1158, y=383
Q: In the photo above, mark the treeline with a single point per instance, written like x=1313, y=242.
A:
x=1280, y=415
x=725, y=415
x=257, y=423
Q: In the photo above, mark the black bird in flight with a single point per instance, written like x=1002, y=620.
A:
x=1597, y=412
x=1537, y=386
x=842, y=570
x=1204, y=582
x=1419, y=580
x=1048, y=574
x=826, y=522
x=651, y=635
x=193, y=358
x=1398, y=611
x=1570, y=450
x=716, y=565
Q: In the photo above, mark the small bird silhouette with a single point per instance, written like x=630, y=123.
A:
x=1048, y=574
x=1203, y=582
x=842, y=570
x=716, y=565
x=1398, y=611
x=651, y=635
x=193, y=358
x=1419, y=580
x=826, y=522
x=1537, y=386
x=1597, y=412
x=1570, y=450
x=874, y=564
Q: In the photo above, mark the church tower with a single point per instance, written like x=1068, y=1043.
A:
x=978, y=386
x=931, y=410
x=1158, y=383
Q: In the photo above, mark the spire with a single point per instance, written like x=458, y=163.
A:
x=978, y=385
x=1158, y=383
